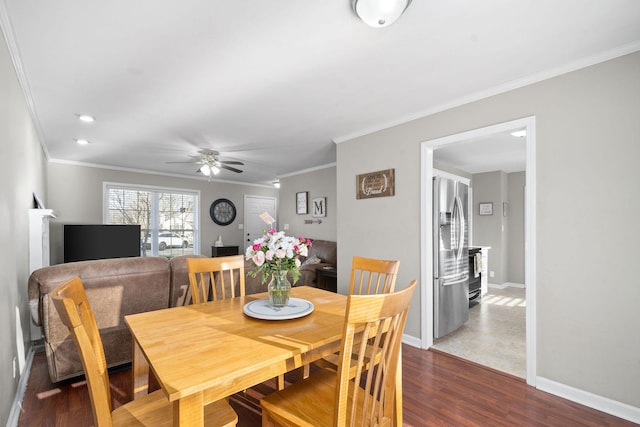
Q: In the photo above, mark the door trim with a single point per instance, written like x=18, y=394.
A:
x=426, y=172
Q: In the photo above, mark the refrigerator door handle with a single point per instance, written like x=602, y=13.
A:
x=460, y=225
x=455, y=282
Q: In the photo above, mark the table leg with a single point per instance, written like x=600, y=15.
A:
x=189, y=411
x=140, y=372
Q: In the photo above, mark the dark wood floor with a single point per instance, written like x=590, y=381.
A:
x=439, y=390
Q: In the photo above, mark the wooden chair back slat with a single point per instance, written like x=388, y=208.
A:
x=216, y=278
x=379, y=319
x=364, y=389
x=372, y=276
x=70, y=300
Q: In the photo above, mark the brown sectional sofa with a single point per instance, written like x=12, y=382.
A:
x=122, y=286
x=115, y=288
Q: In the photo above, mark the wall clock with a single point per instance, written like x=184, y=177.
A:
x=222, y=211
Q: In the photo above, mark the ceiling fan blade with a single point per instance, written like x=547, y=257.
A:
x=230, y=168
x=230, y=162
x=199, y=162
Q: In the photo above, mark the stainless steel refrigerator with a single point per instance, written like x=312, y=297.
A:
x=451, y=255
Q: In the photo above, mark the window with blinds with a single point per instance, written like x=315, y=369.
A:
x=167, y=217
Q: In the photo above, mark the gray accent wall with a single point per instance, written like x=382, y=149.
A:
x=588, y=146
x=76, y=193
x=515, y=225
x=318, y=183
x=23, y=171
x=503, y=231
x=491, y=230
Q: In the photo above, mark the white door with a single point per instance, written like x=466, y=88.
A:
x=254, y=227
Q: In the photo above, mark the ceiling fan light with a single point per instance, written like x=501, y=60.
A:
x=214, y=169
x=206, y=170
x=379, y=13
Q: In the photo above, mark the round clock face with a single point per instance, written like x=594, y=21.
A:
x=222, y=211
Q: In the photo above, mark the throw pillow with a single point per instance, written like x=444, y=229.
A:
x=311, y=260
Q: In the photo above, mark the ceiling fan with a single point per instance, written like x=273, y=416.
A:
x=211, y=164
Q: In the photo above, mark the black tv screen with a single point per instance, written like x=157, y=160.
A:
x=84, y=242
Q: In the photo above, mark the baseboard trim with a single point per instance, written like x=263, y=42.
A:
x=412, y=341
x=505, y=285
x=609, y=406
x=14, y=415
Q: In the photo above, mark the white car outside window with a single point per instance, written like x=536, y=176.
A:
x=168, y=239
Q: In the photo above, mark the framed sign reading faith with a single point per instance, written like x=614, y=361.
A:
x=376, y=184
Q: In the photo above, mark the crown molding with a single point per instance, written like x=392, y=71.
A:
x=14, y=53
x=496, y=90
x=313, y=169
x=147, y=172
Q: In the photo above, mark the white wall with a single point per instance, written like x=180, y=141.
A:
x=75, y=192
x=22, y=172
x=588, y=147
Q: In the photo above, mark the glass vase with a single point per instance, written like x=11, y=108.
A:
x=279, y=289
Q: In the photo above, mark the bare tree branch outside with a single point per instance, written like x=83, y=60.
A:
x=166, y=219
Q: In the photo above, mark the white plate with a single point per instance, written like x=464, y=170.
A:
x=262, y=309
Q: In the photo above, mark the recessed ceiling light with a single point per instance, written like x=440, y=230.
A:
x=82, y=141
x=519, y=133
x=86, y=118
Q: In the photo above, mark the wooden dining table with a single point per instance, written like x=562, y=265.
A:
x=201, y=353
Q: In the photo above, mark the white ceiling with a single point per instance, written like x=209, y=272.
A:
x=500, y=151
x=275, y=83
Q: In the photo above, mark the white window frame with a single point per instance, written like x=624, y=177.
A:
x=106, y=185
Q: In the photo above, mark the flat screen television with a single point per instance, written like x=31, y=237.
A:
x=84, y=242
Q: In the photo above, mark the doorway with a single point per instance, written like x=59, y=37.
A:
x=427, y=165
x=254, y=226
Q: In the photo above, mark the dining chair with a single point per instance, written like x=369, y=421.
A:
x=329, y=397
x=211, y=275
x=372, y=276
x=216, y=277
x=369, y=276
x=154, y=409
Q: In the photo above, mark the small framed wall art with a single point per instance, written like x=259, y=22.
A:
x=301, y=203
x=486, y=208
x=319, y=207
x=376, y=184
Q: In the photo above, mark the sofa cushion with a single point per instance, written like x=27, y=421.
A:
x=115, y=288
x=326, y=250
x=313, y=259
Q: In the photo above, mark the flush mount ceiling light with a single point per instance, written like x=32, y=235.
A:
x=86, y=118
x=82, y=141
x=379, y=13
